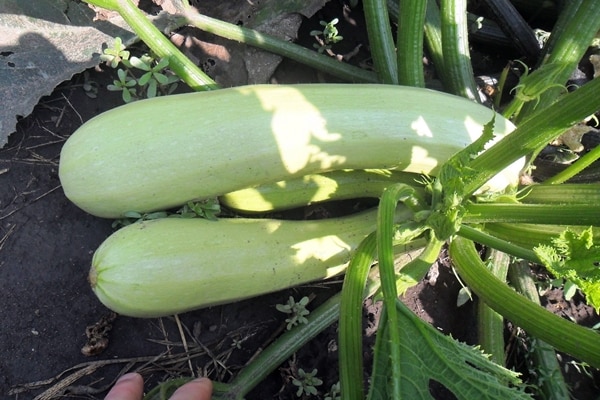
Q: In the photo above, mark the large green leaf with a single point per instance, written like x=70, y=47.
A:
x=43, y=43
x=427, y=354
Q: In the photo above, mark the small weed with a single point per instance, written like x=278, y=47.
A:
x=208, y=209
x=124, y=84
x=327, y=37
x=131, y=217
x=334, y=392
x=153, y=81
x=296, y=310
x=155, y=76
x=306, y=382
x=115, y=55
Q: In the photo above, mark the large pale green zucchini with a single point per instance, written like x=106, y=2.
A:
x=169, y=266
x=162, y=152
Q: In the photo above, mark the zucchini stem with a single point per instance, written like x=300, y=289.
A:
x=278, y=46
x=558, y=332
x=458, y=72
x=490, y=324
x=552, y=383
x=383, y=49
x=410, y=43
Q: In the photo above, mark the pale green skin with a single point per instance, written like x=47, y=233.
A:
x=169, y=266
x=160, y=153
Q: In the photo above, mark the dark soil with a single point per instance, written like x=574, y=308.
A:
x=46, y=245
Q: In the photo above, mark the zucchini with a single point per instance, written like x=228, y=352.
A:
x=314, y=188
x=172, y=265
x=160, y=153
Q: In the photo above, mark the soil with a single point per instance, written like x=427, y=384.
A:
x=48, y=310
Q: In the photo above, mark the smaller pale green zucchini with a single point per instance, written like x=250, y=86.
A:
x=314, y=188
x=172, y=265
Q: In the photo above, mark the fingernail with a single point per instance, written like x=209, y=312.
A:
x=129, y=377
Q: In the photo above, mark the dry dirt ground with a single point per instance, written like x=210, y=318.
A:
x=47, y=308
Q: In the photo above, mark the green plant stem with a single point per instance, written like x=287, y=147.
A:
x=537, y=131
x=458, y=72
x=566, y=14
x=565, y=193
x=585, y=161
x=415, y=270
x=278, y=46
x=565, y=214
x=433, y=38
x=528, y=235
x=385, y=239
x=580, y=342
x=350, y=323
x=570, y=41
x=383, y=49
x=162, y=47
x=552, y=383
x=356, y=287
x=432, y=32
x=497, y=243
x=410, y=43
x=490, y=324
x=283, y=348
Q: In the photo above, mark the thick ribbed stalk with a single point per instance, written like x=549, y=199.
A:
x=551, y=382
x=458, y=71
x=385, y=239
x=433, y=38
x=528, y=235
x=350, y=324
x=537, y=131
x=566, y=193
x=499, y=244
x=410, y=42
x=573, y=40
x=383, y=49
x=565, y=214
x=490, y=324
x=580, y=342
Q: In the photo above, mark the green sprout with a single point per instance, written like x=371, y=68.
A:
x=296, y=310
x=306, y=382
x=334, y=392
x=124, y=84
x=329, y=35
x=154, y=76
x=208, y=209
x=131, y=217
x=113, y=56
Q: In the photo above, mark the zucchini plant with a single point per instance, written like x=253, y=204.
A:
x=457, y=202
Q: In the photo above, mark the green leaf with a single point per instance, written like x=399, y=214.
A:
x=574, y=257
x=427, y=354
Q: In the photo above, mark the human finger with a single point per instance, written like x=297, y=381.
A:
x=128, y=387
x=198, y=389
